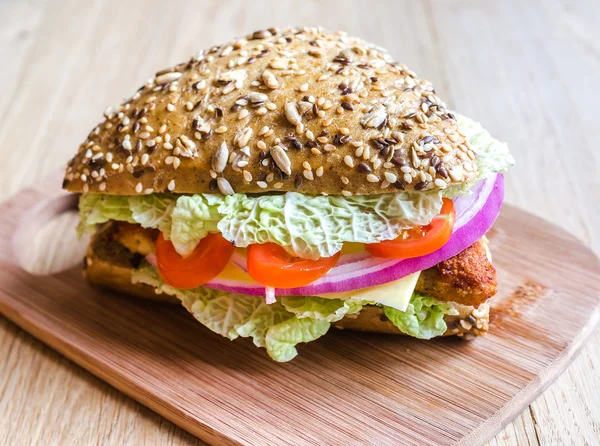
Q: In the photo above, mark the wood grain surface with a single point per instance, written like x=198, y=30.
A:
x=347, y=388
x=527, y=70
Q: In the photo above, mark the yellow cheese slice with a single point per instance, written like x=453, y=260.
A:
x=394, y=294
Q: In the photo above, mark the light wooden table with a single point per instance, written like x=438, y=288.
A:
x=529, y=70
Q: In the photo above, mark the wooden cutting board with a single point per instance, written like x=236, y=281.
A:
x=346, y=388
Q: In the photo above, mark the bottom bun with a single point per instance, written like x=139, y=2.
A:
x=110, y=265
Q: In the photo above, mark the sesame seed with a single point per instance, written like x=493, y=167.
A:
x=263, y=130
x=308, y=175
x=319, y=171
x=144, y=135
x=372, y=178
x=139, y=188
x=176, y=162
x=221, y=129
x=170, y=107
x=440, y=183
x=262, y=184
x=390, y=177
x=346, y=193
x=349, y=161
x=247, y=176
x=315, y=151
x=243, y=113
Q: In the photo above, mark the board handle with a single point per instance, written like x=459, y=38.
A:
x=38, y=229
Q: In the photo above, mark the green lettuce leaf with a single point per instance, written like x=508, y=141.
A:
x=281, y=326
x=423, y=318
x=194, y=217
x=264, y=317
x=306, y=226
x=281, y=339
x=317, y=226
x=238, y=315
x=153, y=211
x=97, y=209
x=493, y=156
x=330, y=310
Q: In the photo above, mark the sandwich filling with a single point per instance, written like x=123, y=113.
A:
x=282, y=268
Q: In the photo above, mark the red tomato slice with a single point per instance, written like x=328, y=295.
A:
x=421, y=240
x=272, y=266
x=206, y=262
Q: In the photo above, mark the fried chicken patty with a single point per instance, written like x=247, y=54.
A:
x=468, y=278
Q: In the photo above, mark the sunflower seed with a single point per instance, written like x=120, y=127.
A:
x=291, y=113
x=270, y=80
x=281, y=159
x=375, y=117
x=220, y=157
x=257, y=99
x=187, y=147
x=235, y=76
x=457, y=173
x=224, y=186
x=242, y=137
x=167, y=78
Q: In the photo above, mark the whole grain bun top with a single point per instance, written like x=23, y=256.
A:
x=297, y=109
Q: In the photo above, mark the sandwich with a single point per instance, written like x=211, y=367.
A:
x=292, y=181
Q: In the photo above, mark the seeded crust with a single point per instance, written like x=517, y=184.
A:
x=279, y=110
